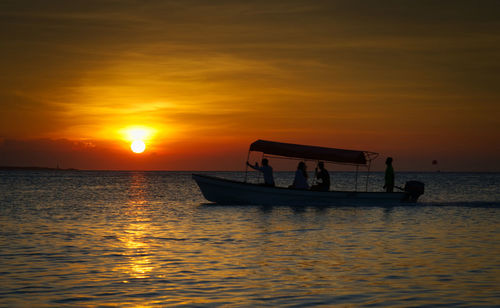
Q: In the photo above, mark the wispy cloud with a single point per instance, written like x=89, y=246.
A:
x=83, y=69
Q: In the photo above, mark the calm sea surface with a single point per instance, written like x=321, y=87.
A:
x=150, y=239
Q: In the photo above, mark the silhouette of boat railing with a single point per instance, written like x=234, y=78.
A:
x=290, y=151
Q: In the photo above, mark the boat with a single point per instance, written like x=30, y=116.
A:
x=225, y=191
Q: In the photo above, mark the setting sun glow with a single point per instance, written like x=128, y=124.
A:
x=138, y=136
x=198, y=99
x=134, y=133
x=138, y=146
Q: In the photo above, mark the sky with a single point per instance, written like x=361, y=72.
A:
x=201, y=80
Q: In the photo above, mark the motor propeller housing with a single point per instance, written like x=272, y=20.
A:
x=414, y=189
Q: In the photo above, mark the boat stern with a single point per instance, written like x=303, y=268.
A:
x=413, y=190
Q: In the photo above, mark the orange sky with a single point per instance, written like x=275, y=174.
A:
x=414, y=80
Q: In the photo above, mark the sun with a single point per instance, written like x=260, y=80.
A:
x=138, y=136
x=138, y=146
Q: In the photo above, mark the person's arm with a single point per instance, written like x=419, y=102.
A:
x=256, y=167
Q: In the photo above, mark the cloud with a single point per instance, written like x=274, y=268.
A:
x=341, y=70
x=109, y=155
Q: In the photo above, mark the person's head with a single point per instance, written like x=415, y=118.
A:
x=388, y=161
x=321, y=165
x=302, y=166
x=265, y=162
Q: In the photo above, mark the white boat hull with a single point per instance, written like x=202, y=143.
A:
x=223, y=191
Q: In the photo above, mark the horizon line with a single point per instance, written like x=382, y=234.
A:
x=41, y=168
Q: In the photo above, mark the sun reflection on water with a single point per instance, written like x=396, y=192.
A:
x=143, y=239
x=135, y=234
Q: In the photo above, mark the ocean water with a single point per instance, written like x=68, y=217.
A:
x=150, y=239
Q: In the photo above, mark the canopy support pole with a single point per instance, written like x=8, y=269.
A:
x=246, y=166
x=356, y=185
x=368, y=174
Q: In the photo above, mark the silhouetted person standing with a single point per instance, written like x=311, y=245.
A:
x=389, y=175
x=266, y=170
x=324, y=176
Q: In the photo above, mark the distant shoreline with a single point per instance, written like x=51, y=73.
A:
x=33, y=168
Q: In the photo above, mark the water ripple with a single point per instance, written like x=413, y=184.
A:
x=132, y=238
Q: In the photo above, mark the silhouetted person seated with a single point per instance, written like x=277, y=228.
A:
x=389, y=175
x=323, y=176
x=266, y=170
x=300, y=180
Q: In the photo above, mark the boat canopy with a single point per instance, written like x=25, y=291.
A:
x=312, y=152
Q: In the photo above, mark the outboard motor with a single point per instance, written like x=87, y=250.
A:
x=414, y=189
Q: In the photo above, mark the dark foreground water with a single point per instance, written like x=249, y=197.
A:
x=149, y=239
